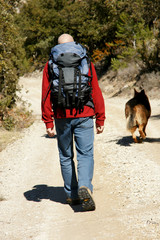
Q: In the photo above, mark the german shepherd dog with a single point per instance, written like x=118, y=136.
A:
x=137, y=112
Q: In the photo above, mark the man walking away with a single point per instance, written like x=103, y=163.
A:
x=71, y=97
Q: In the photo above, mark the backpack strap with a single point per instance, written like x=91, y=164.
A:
x=74, y=86
x=79, y=104
x=61, y=100
x=60, y=84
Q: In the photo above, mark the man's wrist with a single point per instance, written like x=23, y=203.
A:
x=49, y=125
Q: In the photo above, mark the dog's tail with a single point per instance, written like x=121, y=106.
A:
x=131, y=121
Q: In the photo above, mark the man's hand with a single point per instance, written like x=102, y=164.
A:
x=99, y=129
x=50, y=132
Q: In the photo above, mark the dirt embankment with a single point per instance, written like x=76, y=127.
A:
x=121, y=83
x=126, y=181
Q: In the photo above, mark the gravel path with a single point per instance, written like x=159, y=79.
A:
x=126, y=182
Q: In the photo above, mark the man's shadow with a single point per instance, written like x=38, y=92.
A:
x=46, y=136
x=56, y=194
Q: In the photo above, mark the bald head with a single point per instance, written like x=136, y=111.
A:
x=64, y=38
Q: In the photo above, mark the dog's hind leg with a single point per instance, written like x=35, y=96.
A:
x=142, y=131
x=132, y=130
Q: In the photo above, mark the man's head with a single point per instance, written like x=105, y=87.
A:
x=64, y=38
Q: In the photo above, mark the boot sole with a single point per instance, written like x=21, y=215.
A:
x=88, y=203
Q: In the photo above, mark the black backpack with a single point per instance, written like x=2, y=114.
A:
x=69, y=79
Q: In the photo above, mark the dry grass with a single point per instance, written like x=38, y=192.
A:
x=13, y=124
x=7, y=137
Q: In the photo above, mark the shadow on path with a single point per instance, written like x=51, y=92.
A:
x=155, y=117
x=125, y=141
x=46, y=136
x=128, y=141
x=56, y=194
x=40, y=192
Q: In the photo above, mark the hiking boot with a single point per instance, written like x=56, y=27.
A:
x=85, y=196
x=73, y=201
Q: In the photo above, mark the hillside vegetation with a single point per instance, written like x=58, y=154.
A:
x=115, y=33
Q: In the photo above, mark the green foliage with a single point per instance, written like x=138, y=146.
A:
x=8, y=123
x=141, y=41
x=42, y=22
x=92, y=22
x=11, y=54
x=117, y=63
x=37, y=20
x=122, y=59
x=151, y=11
x=89, y=22
x=149, y=51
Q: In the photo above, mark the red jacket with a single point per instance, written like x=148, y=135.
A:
x=48, y=114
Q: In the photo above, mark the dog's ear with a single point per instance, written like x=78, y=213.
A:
x=135, y=92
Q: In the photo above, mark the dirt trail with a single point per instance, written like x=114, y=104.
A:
x=126, y=182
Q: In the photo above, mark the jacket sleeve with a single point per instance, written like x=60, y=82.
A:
x=46, y=106
x=98, y=99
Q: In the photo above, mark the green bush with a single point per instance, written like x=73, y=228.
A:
x=8, y=123
x=12, y=56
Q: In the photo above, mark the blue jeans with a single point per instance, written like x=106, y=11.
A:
x=82, y=131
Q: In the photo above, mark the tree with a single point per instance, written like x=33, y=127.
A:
x=110, y=28
x=11, y=55
x=38, y=20
x=141, y=40
x=41, y=22
x=151, y=11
